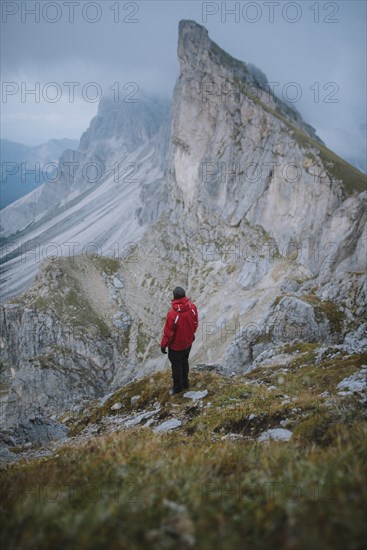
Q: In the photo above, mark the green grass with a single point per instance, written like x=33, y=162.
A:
x=112, y=491
x=82, y=313
x=107, y=265
x=328, y=309
x=68, y=300
x=111, y=494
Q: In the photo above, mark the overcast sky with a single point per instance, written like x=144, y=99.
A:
x=320, y=45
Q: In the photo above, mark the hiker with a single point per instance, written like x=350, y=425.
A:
x=178, y=336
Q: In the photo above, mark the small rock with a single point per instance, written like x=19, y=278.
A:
x=276, y=434
x=116, y=407
x=117, y=283
x=135, y=420
x=179, y=508
x=135, y=398
x=232, y=436
x=196, y=394
x=170, y=424
x=122, y=321
x=357, y=382
x=251, y=416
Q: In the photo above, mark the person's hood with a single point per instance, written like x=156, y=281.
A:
x=182, y=304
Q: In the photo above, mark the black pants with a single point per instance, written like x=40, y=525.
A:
x=180, y=368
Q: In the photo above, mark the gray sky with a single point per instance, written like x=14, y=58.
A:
x=313, y=44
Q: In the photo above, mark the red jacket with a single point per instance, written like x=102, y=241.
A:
x=181, y=324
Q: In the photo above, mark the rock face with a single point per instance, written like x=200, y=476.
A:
x=236, y=200
x=61, y=341
x=240, y=154
x=294, y=318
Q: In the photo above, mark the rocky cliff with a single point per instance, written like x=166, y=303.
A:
x=238, y=201
x=242, y=155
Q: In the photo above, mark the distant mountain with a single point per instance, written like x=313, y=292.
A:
x=359, y=163
x=103, y=200
x=23, y=168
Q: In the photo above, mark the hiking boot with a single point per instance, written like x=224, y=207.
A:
x=172, y=391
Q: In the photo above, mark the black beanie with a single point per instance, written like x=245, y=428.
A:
x=178, y=293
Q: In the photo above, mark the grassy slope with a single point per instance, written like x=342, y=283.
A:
x=112, y=490
x=67, y=299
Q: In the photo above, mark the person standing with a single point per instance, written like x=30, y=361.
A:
x=178, y=335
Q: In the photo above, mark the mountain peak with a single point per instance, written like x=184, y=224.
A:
x=196, y=50
x=213, y=71
x=187, y=28
x=189, y=25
